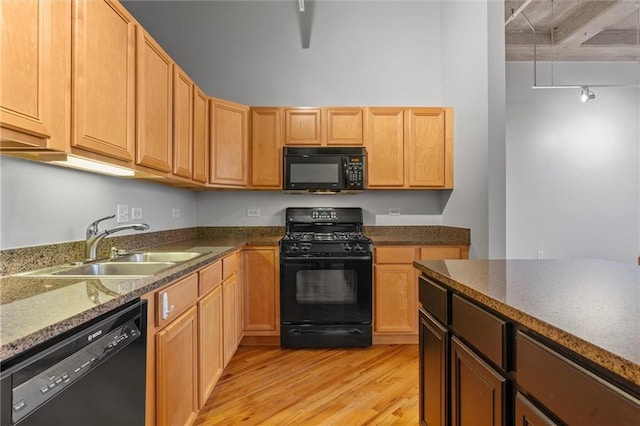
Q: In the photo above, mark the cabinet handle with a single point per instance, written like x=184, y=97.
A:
x=166, y=309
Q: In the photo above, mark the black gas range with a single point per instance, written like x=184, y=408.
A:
x=325, y=279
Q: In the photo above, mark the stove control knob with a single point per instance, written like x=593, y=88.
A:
x=358, y=248
x=347, y=246
x=294, y=248
x=305, y=248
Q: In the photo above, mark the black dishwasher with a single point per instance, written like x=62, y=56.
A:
x=94, y=376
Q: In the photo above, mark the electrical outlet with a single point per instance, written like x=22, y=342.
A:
x=395, y=212
x=253, y=212
x=176, y=212
x=540, y=255
x=136, y=212
x=122, y=215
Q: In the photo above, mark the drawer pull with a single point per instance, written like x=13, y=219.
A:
x=166, y=309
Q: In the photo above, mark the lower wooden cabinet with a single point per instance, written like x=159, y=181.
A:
x=478, y=392
x=395, y=287
x=230, y=339
x=192, y=335
x=177, y=370
x=434, y=371
x=260, y=274
x=527, y=413
x=211, y=343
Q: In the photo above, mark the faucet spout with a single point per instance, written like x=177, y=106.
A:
x=93, y=237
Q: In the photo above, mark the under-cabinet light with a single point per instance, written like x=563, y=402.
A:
x=92, y=166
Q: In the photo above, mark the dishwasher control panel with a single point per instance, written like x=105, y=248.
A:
x=34, y=392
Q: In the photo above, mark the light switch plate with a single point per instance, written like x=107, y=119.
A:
x=395, y=212
x=122, y=215
x=253, y=212
x=136, y=212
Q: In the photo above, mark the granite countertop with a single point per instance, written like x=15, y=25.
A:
x=591, y=307
x=35, y=309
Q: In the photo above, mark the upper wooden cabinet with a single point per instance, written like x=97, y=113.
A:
x=229, y=130
x=323, y=126
x=409, y=148
x=266, y=148
x=200, y=136
x=182, y=123
x=384, y=140
x=35, y=74
x=344, y=126
x=103, y=76
x=154, y=106
x=303, y=126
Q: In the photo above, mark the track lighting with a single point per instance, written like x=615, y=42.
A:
x=301, y=5
x=586, y=94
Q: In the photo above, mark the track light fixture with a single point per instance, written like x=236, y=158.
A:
x=586, y=94
x=301, y=5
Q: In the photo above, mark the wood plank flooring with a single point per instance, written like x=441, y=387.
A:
x=274, y=386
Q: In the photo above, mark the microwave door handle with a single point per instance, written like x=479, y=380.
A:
x=345, y=172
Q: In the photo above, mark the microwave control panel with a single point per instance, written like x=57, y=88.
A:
x=355, y=172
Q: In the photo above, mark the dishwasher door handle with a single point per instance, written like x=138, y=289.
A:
x=166, y=308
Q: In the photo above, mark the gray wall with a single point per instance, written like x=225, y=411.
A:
x=572, y=168
x=43, y=204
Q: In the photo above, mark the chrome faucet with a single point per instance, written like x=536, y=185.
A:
x=93, y=237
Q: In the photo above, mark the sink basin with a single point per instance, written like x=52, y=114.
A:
x=158, y=256
x=137, y=269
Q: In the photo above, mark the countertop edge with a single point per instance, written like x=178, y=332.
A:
x=607, y=360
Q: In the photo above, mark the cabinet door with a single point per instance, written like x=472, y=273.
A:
x=210, y=337
x=229, y=143
x=396, y=299
x=239, y=307
x=25, y=103
x=182, y=124
x=155, y=105
x=434, y=372
x=262, y=291
x=200, y=136
x=424, y=130
x=528, y=415
x=477, y=390
x=103, y=75
x=266, y=148
x=384, y=140
x=344, y=126
x=229, y=318
x=177, y=370
x=302, y=126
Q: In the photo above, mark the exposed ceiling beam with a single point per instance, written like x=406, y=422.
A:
x=591, y=20
x=515, y=13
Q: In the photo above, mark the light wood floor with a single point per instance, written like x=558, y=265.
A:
x=274, y=386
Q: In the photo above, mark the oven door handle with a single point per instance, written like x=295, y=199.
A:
x=323, y=258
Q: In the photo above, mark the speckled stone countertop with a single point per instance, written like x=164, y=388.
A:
x=418, y=235
x=591, y=307
x=35, y=309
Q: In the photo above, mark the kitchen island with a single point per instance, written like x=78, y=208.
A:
x=527, y=340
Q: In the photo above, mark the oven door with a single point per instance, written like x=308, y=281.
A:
x=319, y=291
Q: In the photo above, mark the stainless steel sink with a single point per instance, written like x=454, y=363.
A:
x=103, y=269
x=158, y=256
x=137, y=269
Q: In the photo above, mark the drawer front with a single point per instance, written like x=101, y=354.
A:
x=175, y=299
x=483, y=330
x=433, y=298
x=229, y=265
x=210, y=277
x=440, y=253
x=573, y=394
x=395, y=254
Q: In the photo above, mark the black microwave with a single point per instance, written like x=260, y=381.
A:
x=330, y=169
